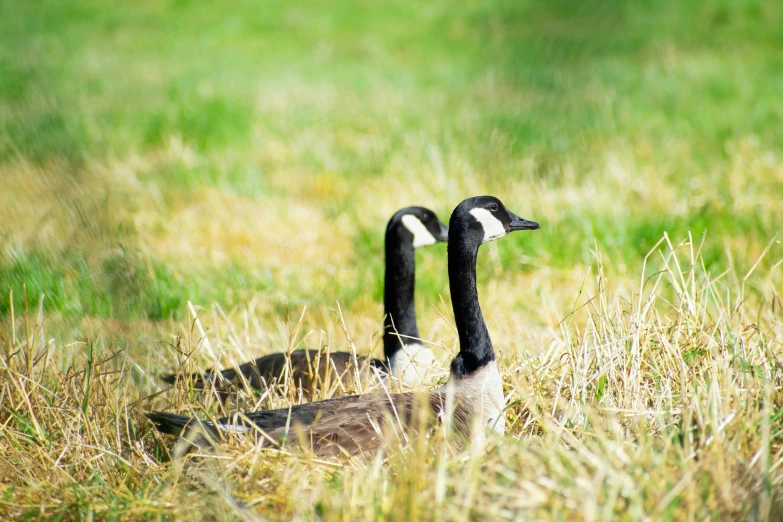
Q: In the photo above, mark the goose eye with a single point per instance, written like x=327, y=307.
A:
x=425, y=216
x=493, y=207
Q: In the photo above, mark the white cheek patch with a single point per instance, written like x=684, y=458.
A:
x=421, y=236
x=493, y=228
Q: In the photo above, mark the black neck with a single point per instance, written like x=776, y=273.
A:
x=475, y=345
x=399, y=325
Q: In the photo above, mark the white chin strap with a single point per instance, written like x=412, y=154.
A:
x=421, y=236
x=493, y=228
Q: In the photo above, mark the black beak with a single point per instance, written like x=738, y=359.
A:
x=517, y=223
x=443, y=235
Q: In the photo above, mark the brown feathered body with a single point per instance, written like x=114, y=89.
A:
x=307, y=370
x=360, y=423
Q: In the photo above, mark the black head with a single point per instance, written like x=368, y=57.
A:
x=486, y=218
x=417, y=226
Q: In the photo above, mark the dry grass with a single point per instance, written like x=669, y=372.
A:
x=661, y=400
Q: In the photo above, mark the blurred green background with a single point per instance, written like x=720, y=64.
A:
x=155, y=152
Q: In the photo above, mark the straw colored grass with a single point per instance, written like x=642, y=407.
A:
x=658, y=401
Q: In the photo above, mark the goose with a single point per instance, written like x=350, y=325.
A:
x=347, y=426
x=406, y=359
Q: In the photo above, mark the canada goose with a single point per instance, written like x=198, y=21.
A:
x=408, y=360
x=350, y=425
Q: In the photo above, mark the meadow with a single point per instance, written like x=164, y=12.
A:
x=187, y=184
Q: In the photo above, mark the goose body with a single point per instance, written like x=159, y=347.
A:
x=472, y=397
x=352, y=425
x=405, y=358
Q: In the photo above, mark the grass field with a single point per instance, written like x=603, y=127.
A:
x=189, y=184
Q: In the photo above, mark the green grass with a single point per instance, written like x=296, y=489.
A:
x=245, y=156
x=509, y=90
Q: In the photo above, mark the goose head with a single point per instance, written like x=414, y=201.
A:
x=485, y=218
x=417, y=227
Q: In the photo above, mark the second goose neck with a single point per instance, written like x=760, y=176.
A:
x=475, y=345
x=400, y=312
